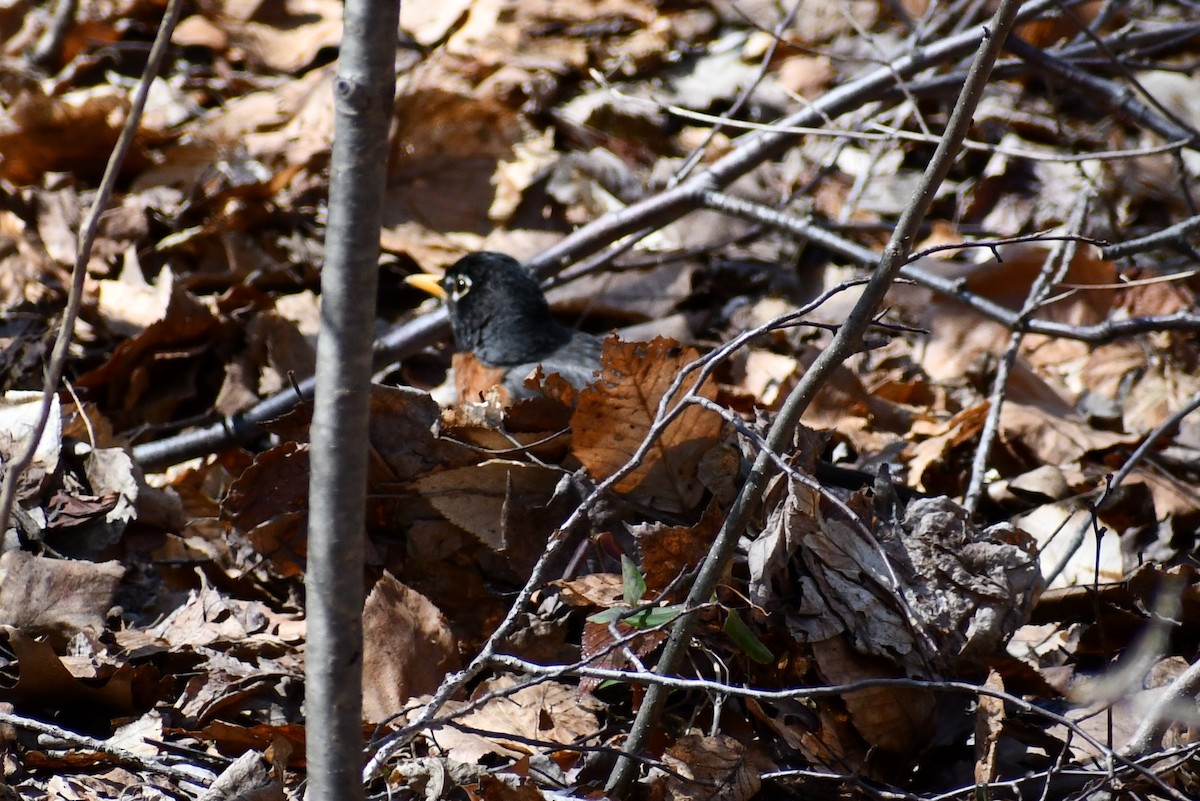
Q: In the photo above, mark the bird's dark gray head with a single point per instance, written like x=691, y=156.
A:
x=498, y=311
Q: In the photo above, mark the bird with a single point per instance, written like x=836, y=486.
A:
x=499, y=314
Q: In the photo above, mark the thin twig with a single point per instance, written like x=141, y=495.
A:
x=1107, y=93
x=193, y=775
x=743, y=96
x=1181, y=694
x=48, y=49
x=654, y=211
x=1168, y=236
x=1146, y=444
x=757, y=147
x=1057, y=262
x=1079, y=532
x=66, y=331
x=1097, y=334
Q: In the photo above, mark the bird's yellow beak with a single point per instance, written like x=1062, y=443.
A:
x=428, y=283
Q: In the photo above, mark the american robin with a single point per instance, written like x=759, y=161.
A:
x=499, y=314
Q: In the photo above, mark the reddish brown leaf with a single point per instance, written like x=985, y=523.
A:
x=669, y=552
x=989, y=724
x=616, y=413
x=601, y=649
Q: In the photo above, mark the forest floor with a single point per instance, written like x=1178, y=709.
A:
x=972, y=573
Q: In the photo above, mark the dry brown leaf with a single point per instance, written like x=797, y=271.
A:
x=111, y=473
x=929, y=592
x=286, y=41
x=269, y=500
x=1144, y=300
x=152, y=373
x=549, y=712
x=989, y=723
x=650, y=294
x=834, y=740
x=130, y=303
x=932, y=453
x=407, y=648
x=289, y=341
x=247, y=777
x=403, y=441
x=1045, y=32
x=44, y=681
x=615, y=414
x=275, y=483
x=59, y=215
x=209, y=618
x=234, y=738
x=772, y=550
x=1172, y=497
x=496, y=501
x=1063, y=532
x=227, y=188
x=896, y=719
x=1053, y=439
x=790, y=725
x=669, y=552
x=504, y=787
x=768, y=376
x=448, y=138
x=806, y=76
x=599, y=647
x=40, y=595
x=430, y=23
x=1106, y=367
x=428, y=248
x=223, y=684
x=1184, y=732
x=1162, y=389
x=142, y=736
x=1040, y=485
x=284, y=540
x=870, y=421
x=197, y=31
x=960, y=339
x=1007, y=280
x=40, y=133
x=456, y=572
x=531, y=159
x=713, y=766
x=600, y=640
x=537, y=425
x=27, y=273
x=595, y=589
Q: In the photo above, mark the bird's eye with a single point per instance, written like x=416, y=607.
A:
x=462, y=285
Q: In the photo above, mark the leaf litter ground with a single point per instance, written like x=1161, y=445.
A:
x=153, y=624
